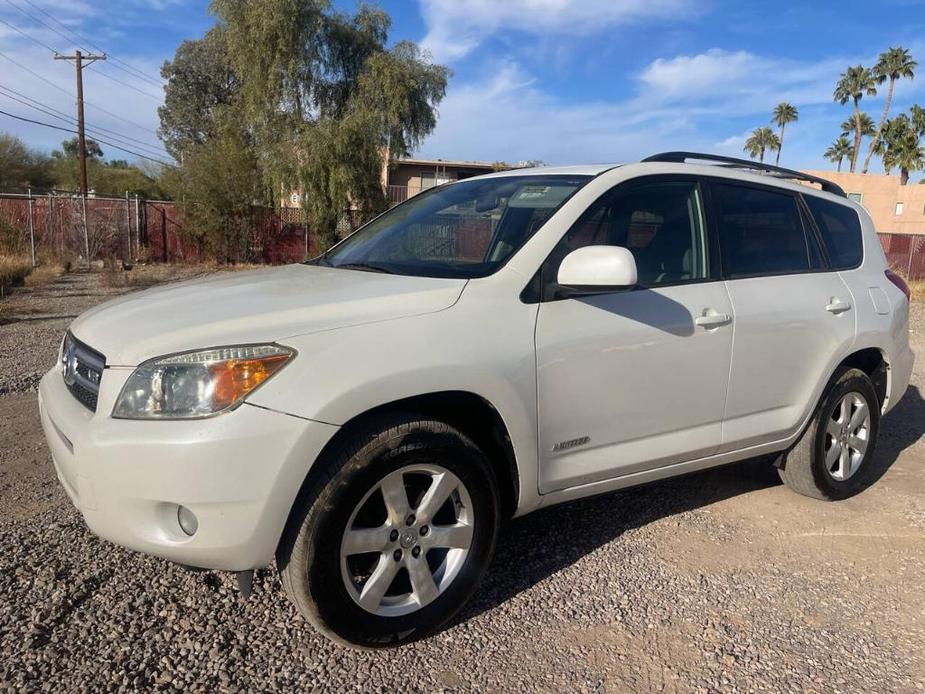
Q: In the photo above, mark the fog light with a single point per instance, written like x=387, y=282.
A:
x=187, y=520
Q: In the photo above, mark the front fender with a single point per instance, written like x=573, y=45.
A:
x=341, y=374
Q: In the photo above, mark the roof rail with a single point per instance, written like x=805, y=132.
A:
x=681, y=157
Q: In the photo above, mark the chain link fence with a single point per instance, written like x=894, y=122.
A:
x=905, y=253
x=64, y=227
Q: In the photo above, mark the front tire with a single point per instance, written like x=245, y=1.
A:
x=394, y=535
x=832, y=459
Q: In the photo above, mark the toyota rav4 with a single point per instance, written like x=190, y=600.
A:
x=489, y=347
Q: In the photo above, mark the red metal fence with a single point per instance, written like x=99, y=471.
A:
x=65, y=226
x=905, y=253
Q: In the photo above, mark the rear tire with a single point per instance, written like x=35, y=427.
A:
x=372, y=557
x=832, y=459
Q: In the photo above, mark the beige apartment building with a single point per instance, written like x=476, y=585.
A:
x=895, y=209
x=402, y=178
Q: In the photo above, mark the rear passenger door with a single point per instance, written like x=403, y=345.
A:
x=793, y=313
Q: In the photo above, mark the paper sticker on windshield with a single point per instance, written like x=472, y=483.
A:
x=533, y=193
x=540, y=196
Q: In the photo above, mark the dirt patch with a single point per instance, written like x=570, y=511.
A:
x=715, y=582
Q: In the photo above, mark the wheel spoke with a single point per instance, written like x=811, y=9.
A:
x=844, y=410
x=859, y=417
x=360, y=540
x=395, y=497
x=422, y=580
x=457, y=536
x=833, y=428
x=858, y=444
x=844, y=463
x=832, y=454
x=436, y=495
x=377, y=584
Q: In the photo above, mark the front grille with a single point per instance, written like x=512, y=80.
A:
x=82, y=369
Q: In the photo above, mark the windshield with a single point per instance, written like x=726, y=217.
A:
x=466, y=229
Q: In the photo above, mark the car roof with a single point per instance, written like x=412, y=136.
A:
x=572, y=170
x=730, y=172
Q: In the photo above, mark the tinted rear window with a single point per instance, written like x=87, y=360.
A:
x=841, y=231
x=761, y=232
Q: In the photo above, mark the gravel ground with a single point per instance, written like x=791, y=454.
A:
x=720, y=581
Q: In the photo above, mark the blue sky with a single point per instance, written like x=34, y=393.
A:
x=557, y=80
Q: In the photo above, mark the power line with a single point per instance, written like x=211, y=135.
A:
x=31, y=38
x=133, y=71
x=126, y=84
x=70, y=120
x=68, y=130
x=71, y=94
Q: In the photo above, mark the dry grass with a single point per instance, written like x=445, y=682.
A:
x=13, y=271
x=44, y=274
x=918, y=289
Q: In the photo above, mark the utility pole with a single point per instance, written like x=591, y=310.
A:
x=81, y=61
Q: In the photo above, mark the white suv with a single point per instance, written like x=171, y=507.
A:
x=489, y=347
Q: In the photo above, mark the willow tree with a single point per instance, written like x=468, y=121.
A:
x=324, y=100
x=200, y=86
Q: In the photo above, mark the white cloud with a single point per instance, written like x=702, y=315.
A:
x=456, y=27
x=509, y=118
x=739, y=79
x=130, y=114
x=683, y=102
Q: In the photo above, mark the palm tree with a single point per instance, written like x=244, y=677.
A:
x=904, y=149
x=894, y=64
x=867, y=126
x=783, y=113
x=917, y=114
x=853, y=84
x=840, y=149
x=761, y=140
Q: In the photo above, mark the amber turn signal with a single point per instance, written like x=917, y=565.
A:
x=235, y=378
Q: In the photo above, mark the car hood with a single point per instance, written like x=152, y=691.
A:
x=257, y=306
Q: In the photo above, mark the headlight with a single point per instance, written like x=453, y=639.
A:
x=198, y=384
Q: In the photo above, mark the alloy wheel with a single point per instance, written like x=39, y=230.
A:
x=406, y=540
x=847, y=436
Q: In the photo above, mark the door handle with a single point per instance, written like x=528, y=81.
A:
x=837, y=306
x=712, y=320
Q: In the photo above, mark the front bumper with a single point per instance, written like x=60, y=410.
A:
x=238, y=472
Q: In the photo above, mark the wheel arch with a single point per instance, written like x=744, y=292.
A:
x=472, y=414
x=872, y=361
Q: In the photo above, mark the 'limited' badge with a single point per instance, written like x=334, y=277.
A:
x=571, y=443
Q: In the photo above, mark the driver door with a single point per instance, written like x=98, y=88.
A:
x=636, y=379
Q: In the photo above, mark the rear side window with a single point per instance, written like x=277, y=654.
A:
x=840, y=229
x=761, y=232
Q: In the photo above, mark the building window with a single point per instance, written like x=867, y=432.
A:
x=899, y=208
x=857, y=197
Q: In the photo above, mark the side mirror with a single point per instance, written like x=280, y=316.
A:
x=597, y=269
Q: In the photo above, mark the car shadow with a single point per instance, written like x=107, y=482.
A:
x=901, y=428
x=532, y=548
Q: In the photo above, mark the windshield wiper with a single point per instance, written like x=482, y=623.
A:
x=366, y=267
